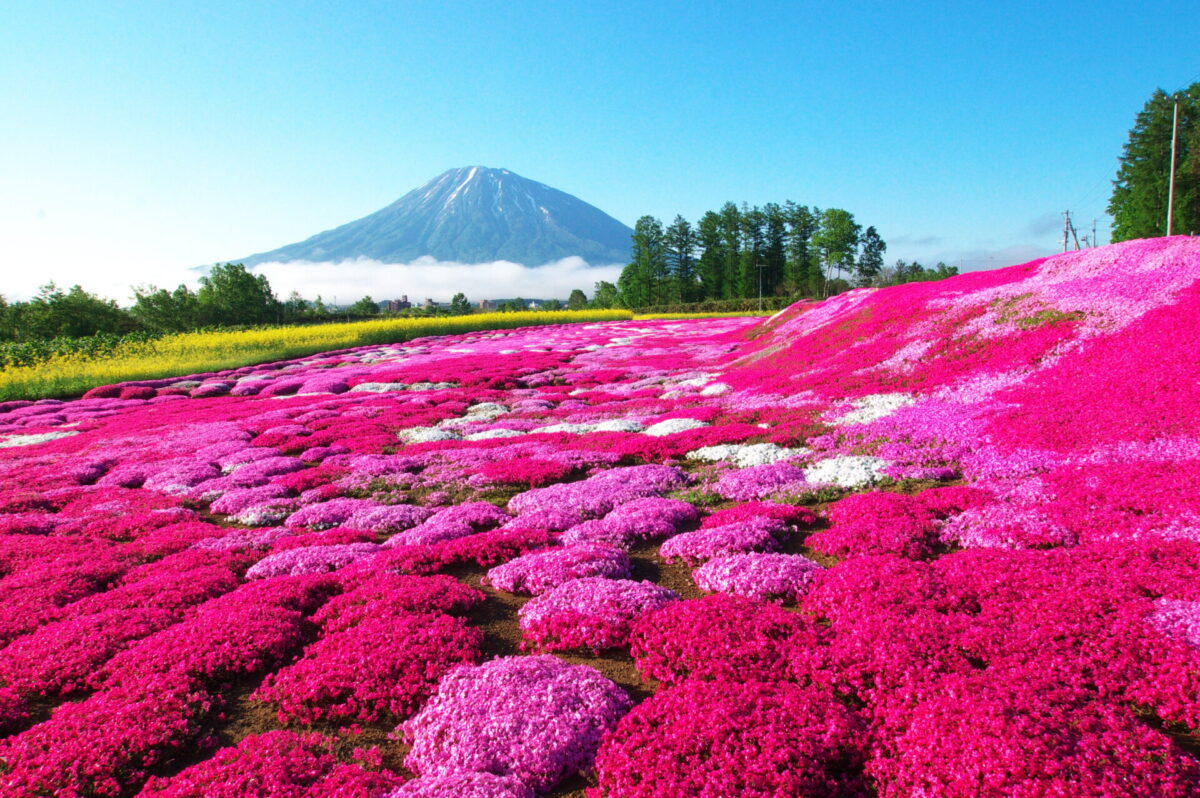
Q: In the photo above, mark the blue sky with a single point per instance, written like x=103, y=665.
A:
x=141, y=138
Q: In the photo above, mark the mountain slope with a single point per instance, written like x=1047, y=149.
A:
x=471, y=215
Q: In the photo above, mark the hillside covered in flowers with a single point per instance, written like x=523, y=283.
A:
x=940, y=539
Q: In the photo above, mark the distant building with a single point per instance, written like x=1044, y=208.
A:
x=429, y=303
x=487, y=304
x=394, y=305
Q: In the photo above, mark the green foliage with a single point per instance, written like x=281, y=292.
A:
x=770, y=303
x=836, y=240
x=698, y=497
x=32, y=352
x=160, y=310
x=646, y=280
x=781, y=250
x=1138, y=204
x=914, y=272
x=229, y=294
x=459, y=306
x=577, y=300
x=870, y=261
x=681, y=260
x=363, y=307
x=605, y=295
x=55, y=313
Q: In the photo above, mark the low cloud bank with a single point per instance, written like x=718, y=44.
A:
x=350, y=280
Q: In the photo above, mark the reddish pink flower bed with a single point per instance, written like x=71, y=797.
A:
x=951, y=532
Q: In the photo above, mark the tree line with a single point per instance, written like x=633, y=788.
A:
x=228, y=296
x=785, y=250
x=1138, y=204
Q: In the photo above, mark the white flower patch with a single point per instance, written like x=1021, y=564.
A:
x=618, y=425
x=745, y=455
x=494, y=433
x=476, y=414
x=872, y=408
x=427, y=435
x=673, y=425
x=380, y=387
x=716, y=389
x=850, y=471
x=572, y=429
x=30, y=440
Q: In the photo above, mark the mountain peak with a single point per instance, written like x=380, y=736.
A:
x=471, y=214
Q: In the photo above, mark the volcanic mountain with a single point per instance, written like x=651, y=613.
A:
x=471, y=215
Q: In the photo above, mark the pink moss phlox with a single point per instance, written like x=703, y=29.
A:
x=723, y=637
x=539, y=571
x=784, y=578
x=590, y=612
x=463, y=785
x=106, y=744
x=960, y=742
x=790, y=514
x=738, y=738
x=383, y=666
x=758, y=533
x=535, y=718
x=373, y=595
x=281, y=764
x=760, y=482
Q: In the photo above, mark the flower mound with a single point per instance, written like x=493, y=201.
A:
x=989, y=737
x=534, y=718
x=713, y=739
x=383, y=665
x=722, y=637
x=463, y=785
x=754, y=534
x=766, y=577
x=277, y=764
x=539, y=571
x=593, y=612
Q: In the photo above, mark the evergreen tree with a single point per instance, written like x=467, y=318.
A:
x=750, y=260
x=1138, y=204
x=730, y=219
x=644, y=281
x=459, y=306
x=711, y=267
x=577, y=300
x=799, y=268
x=774, y=256
x=681, y=260
x=870, y=260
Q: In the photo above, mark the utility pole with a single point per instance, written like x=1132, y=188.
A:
x=1066, y=228
x=1094, y=232
x=1171, y=190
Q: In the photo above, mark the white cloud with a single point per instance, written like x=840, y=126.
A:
x=425, y=277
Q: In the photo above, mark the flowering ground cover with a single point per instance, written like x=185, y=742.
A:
x=937, y=539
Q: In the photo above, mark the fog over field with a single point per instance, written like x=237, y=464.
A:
x=438, y=280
